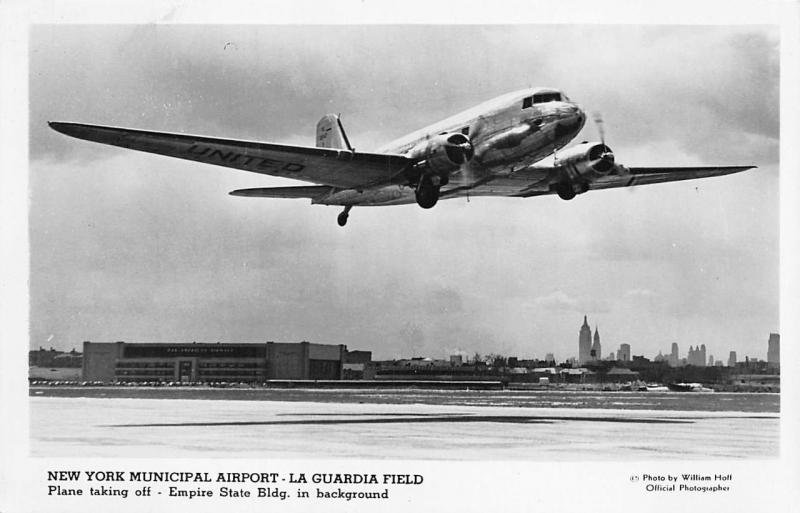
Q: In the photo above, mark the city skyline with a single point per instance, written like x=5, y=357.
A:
x=127, y=246
x=624, y=352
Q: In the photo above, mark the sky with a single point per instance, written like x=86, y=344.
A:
x=143, y=248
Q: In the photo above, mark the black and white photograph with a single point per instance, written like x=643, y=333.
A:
x=359, y=264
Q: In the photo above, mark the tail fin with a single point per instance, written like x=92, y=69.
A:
x=330, y=133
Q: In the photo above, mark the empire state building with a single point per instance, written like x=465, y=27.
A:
x=585, y=343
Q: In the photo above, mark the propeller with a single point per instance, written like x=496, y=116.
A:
x=607, y=156
x=469, y=170
x=466, y=169
x=598, y=121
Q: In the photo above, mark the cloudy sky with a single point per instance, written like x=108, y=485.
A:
x=137, y=247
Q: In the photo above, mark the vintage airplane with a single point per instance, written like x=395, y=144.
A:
x=488, y=150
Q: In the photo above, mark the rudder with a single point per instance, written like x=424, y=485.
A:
x=330, y=133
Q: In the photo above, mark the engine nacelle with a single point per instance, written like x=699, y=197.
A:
x=442, y=154
x=587, y=159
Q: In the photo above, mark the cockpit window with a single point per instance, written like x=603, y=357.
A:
x=527, y=102
x=546, y=97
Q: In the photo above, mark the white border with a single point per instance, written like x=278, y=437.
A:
x=462, y=487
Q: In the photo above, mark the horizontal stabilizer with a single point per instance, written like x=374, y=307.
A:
x=310, y=192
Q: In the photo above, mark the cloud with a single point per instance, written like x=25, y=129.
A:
x=640, y=293
x=645, y=301
x=560, y=301
x=445, y=301
x=556, y=300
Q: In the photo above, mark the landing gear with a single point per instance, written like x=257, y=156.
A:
x=565, y=191
x=342, y=219
x=427, y=192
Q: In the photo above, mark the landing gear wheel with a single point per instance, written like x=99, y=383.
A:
x=342, y=219
x=427, y=193
x=565, y=191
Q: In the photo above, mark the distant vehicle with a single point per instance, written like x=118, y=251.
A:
x=489, y=150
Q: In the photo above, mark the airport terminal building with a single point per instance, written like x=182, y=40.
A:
x=203, y=362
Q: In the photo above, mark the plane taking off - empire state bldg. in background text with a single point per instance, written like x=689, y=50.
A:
x=489, y=150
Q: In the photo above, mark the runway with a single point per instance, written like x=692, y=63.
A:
x=166, y=428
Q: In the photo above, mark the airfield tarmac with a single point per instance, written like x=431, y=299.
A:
x=152, y=427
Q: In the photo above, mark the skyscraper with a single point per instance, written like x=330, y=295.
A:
x=585, y=343
x=624, y=353
x=596, y=351
x=697, y=356
x=732, y=359
x=774, y=351
x=673, y=359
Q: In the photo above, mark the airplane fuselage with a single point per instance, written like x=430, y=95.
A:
x=508, y=133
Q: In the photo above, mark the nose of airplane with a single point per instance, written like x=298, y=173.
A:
x=575, y=109
x=572, y=119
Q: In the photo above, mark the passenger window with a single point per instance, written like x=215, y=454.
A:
x=527, y=102
x=465, y=130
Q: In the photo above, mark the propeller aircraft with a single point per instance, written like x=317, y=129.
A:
x=493, y=149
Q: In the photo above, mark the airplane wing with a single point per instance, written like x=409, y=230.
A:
x=625, y=177
x=633, y=176
x=327, y=166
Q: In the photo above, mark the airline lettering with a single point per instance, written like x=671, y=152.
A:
x=231, y=157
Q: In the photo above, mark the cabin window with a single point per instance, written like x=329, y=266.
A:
x=465, y=130
x=527, y=102
x=546, y=97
